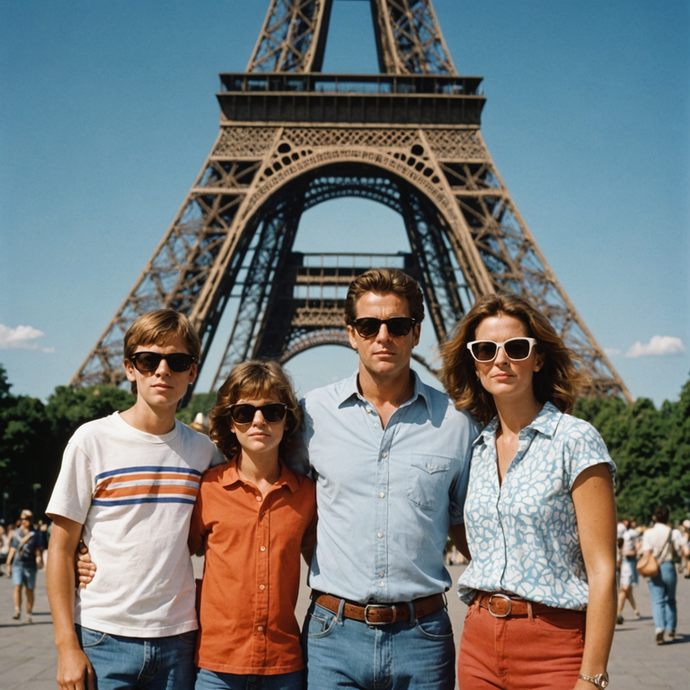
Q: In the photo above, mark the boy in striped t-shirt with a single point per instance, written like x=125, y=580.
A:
x=127, y=487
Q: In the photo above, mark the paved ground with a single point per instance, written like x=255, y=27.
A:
x=28, y=658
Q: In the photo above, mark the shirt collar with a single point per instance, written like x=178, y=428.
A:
x=545, y=423
x=350, y=390
x=287, y=477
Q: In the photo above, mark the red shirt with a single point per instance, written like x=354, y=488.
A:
x=247, y=623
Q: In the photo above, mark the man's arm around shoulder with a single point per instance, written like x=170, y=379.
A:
x=74, y=669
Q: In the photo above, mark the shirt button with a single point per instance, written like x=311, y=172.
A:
x=262, y=587
x=376, y=426
x=260, y=628
x=382, y=574
x=258, y=498
x=384, y=454
x=382, y=495
x=380, y=535
x=262, y=548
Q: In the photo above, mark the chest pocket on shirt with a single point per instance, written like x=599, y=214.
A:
x=427, y=478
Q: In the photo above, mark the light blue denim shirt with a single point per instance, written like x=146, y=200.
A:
x=385, y=497
x=523, y=533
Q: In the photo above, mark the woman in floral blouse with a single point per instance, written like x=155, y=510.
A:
x=540, y=513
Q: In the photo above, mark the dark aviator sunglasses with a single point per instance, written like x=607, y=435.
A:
x=149, y=361
x=243, y=413
x=398, y=326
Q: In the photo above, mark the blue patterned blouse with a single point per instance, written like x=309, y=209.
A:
x=523, y=533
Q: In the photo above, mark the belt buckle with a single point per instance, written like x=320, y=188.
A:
x=378, y=607
x=501, y=615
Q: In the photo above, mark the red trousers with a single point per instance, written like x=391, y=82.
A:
x=521, y=652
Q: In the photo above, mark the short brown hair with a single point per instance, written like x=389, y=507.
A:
x=383, y=281
x=558, y=381
x=253, y=379
x=156, y=327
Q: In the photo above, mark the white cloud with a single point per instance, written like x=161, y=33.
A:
x=610, y=351
x=21, y=337
x=658, y=345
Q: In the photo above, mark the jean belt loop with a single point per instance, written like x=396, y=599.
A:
x=339, y=615
x=413, y=615
x=530, y=612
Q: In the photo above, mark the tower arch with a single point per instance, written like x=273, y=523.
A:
x=283, y=124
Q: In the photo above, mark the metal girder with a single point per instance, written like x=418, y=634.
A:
x=293, y=37
x=408, y=37
x=272, y=248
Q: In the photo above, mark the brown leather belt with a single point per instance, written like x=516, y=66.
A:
x=381, y=614
x=501, y=605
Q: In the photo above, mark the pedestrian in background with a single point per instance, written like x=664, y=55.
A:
x=662, y=541
x=629, y=575
x=685, y=558
x=4, y=547
x=23, y=560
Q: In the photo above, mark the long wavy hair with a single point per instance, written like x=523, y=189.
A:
x=558, y=381
x=251, y=380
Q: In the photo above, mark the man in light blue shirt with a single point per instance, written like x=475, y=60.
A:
x=390, y=457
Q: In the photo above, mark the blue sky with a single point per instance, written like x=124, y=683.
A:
x=109, y=111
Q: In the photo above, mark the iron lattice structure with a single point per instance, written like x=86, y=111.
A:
x=291, y=138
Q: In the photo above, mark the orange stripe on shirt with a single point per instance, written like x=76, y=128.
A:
x=144, y=489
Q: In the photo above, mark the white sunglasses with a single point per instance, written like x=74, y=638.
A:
x=516, y=349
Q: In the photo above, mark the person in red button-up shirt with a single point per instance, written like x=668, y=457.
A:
x=254, y=516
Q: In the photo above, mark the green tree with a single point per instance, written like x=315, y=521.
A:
x=25, y=442
x=200, y=402
x=651, y=449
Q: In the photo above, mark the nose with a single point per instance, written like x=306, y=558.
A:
x=501, y=356
x=383, y=334
x=258, y=418
x=163, y=369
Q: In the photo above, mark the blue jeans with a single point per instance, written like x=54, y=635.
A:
x=210, y=680
x=410, y=655
x=662, y=590
x=153, y=663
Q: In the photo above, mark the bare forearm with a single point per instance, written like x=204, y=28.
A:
x=601, y=622
x=60, y=582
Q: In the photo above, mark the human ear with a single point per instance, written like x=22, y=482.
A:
x=129, y=370
x=351, y=336
x=192, y=372
x=417, y=331
x=539, y=361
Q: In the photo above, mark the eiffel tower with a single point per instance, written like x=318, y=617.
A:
x=292, y=137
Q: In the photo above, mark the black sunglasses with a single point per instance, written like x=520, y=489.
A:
x=516, y=349
x=149, y=361
x=398, y=326
x=243, y=413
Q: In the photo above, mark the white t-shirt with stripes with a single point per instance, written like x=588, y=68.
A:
x=134, y=493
